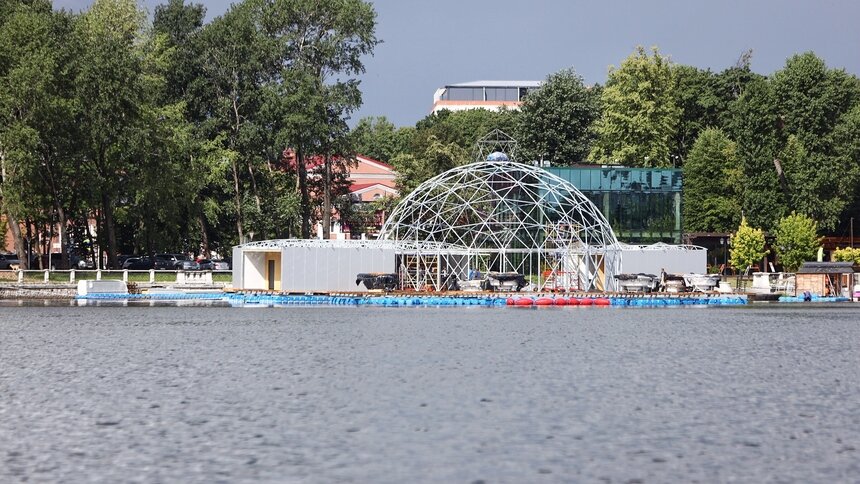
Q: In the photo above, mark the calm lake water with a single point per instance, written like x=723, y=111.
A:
x=202, y=394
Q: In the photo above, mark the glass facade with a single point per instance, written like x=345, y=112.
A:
x=457, y=93
x=643, y=205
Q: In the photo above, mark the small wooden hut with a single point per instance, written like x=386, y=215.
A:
x=827, y=278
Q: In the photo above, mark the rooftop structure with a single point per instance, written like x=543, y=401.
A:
x=490, y=95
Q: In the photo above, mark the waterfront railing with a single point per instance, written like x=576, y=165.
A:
x=125, y=275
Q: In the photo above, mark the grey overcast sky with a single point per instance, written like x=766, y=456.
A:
x=427, y=44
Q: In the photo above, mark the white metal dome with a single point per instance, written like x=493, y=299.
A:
x=516, y=217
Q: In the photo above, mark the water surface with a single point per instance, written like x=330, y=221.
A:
x=206, y=394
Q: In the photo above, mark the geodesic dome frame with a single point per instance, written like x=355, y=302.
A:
x=506, y=217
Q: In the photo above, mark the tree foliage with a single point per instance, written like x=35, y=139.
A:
x=640, y=116
x=747, y=246
x=753, y=126
x=796, y=241
x=378, y=138
x=312, y=43
x=711, y=183
x=556, y=120
x=847, y=254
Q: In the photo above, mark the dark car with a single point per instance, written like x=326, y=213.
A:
x=165, y=261
x=54, y=261
x=139, y=263
x=121, y=258
x=187, y=265
x=7, y=261
x=172, y=262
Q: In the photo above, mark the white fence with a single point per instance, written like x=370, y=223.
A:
x=125, y=275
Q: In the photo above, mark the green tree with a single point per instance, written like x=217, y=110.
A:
x=729, y=85
x=234, y=64
x=846, y=147
x=556, y=120
x=747, y=247
x=698, y=104
x=462, y=128
x=38, y=134
x=379, y=139
x=180, y=23
x=438, y=157
x=815, y=185
x=313, y=43
x=810, y=99
x=809, y=102
x=753, y=124
x=847, y=254
x=640, y=115
x=109, y=91
x=796, y=241
x=711, y=184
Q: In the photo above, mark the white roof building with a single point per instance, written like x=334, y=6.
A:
x=490, y=95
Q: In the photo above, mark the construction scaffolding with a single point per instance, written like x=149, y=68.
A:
x=506, y=217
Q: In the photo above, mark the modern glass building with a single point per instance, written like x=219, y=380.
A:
x=490, y=95
x=643, y=205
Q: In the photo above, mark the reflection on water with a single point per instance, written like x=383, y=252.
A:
x=193, y=392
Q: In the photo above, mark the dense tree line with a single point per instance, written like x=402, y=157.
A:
x=171, y=135
x=750, y=145
x=177, y=134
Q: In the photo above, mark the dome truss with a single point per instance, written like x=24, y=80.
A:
x=504, y=217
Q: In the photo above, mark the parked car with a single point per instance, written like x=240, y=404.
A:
x=187, y=265
x=139, y=263
x=165, y=261
x=221, y=265
x=206, y=264
x=81, y=262
x=173, y=262
x=9, y=261
x=121, y=258
x=54, y=261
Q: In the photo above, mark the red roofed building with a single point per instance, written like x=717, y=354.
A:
x=368, y=180
x=371, y=180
